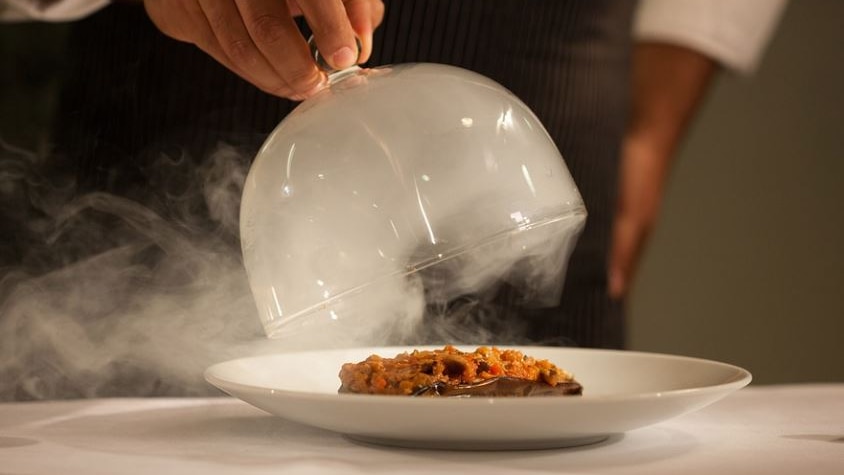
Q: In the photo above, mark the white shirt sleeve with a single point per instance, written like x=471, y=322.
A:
x=732, y=32
x=48, y=10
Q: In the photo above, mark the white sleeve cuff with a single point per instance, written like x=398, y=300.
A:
x=41, y=10
x=732, y=32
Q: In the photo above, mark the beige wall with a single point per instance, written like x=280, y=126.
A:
x=747, y=262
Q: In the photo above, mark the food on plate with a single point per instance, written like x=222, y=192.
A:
x=487, y=371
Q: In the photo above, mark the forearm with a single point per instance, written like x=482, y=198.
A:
x=680, y=45
x=668, y=85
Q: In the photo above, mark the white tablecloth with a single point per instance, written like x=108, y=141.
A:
x=759, y=430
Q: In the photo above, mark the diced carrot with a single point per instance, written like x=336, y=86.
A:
x=379, y=382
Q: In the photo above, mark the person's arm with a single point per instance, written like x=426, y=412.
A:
x=668, y=84
x=681, y=44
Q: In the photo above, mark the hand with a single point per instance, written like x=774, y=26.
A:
x=642, y=176
x=258, y=39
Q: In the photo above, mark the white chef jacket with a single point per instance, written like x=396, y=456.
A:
x=48, y=10
x=733, y=32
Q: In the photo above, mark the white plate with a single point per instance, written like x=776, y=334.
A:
x=623, y=390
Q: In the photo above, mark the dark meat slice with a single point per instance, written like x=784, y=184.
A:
x=501, y=387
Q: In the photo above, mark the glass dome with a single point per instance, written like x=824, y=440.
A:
x=391, y=171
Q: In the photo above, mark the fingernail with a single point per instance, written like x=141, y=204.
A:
x=344, y=57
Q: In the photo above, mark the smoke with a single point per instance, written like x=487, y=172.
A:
x=106, y=295
x=101, y=296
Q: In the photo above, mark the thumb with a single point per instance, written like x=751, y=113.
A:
x=364, y=16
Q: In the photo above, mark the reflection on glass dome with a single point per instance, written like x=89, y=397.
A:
x=391, y=171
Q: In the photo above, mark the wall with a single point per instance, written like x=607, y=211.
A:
x=746, y=264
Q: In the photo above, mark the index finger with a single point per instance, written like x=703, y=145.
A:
x=278, y=38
